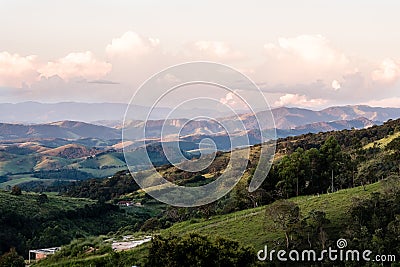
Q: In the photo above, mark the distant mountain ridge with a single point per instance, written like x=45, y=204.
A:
x=288, y=121
x=254, y=136
x=288, y=118
x=63, y=129
x=112, y=114
x=359, y=123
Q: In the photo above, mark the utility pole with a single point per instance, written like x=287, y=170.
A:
x=332, y=182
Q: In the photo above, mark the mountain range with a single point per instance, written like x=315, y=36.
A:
x=31, y=151
x=61, y=129
x=112, y=114
x=288, y=121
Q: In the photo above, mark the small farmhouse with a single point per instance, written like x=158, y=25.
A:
x=42, y=253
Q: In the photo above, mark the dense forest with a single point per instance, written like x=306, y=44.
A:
x=30, y=221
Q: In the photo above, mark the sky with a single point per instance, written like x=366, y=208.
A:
x=309, y=53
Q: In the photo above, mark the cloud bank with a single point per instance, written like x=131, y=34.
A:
x=306, y=71
x=74, y=65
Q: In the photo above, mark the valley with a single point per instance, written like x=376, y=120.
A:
x=86, y=200
x=66, y=151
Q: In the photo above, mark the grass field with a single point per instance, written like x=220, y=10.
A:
x=252, y=227
x=30, y=203
x=249, y=227
x=16, y=163
x=17, y=179
x=100, y=173
x=381, y=143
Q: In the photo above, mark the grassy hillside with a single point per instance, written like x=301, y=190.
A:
x=14, y=163
x=381, y=143
x=44, y=160
x=249, y=227
x=252, y=227
x=103, y=161
x=20, y=203
x=17, y=179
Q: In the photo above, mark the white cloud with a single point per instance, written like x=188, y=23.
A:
x=83, y=65
x=312, y=48
x=233, y=101
x=212, y=50
x=336, y=85
x=387, y=72
x=135, y=58
x=131, y=44
x=169, y=79
x=303, y=59
x=15, y=70
x=228, y=98
x=297, y=100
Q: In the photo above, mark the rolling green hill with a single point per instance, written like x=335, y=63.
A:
x=55, y=203
x=57, y=159
x=254, y=227
x=250, y=227
x=381, y=143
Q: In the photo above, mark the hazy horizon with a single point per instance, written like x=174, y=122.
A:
x=166, y=107
x=113, y=114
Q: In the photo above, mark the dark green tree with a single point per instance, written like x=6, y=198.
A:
x=315, y=169
x=375, y=222
x=12, y=259
x=16, y=190
x=286, y=217
x=198, y=250
x=287, y=174
x=42, y=198
x=332, y=158
x=317, y=223
x=294, y=172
